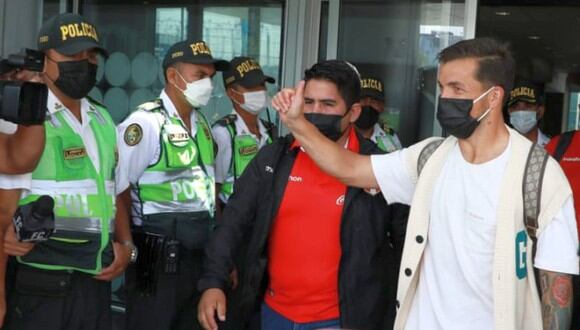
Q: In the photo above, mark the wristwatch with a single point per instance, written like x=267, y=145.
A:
x=134, y=250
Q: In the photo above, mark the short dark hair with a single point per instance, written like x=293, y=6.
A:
x=342, y=74
x=496, y=63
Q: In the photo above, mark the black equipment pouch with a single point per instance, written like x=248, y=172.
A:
x=171, y=257
x=151, y=247
x=39, y=282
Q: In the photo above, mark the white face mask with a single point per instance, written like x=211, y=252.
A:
x=197, y=93
x=254, y=102
x=523, y=121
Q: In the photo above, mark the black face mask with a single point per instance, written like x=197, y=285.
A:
x=368, y=118
x=76, y=78
x=453, y=116
x=328, y=125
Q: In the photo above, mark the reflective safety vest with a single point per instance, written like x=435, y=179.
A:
x=244, y=149
x=179, y=182
x=386, y=141
x=84, y=198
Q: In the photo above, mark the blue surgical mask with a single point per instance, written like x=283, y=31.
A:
x=523, y=120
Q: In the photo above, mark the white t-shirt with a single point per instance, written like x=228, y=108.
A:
x=19, y=181
x=455, y=285
x=224, y=142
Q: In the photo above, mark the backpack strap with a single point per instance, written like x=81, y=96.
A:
x=426, y=153
x=532, y=190
x=563, y=144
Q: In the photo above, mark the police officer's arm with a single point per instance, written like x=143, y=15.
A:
x=21, y=151
x=237, y=219
x=122, y=245
x=222, y=160
x=352, y=169
x=557, y=299
x=138, y=142
x=8, y=203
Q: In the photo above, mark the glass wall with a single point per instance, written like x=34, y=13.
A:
x=138, y=35
x=398, y=41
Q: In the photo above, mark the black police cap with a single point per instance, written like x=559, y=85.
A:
x=525, y=91
x=69, y=34
x=246, y=72
x=194, y=52
x=372, y=87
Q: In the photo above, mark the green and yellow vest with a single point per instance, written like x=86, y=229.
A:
x=387, y=141
x=182, y=180
x=84, y=198
x=244, y=149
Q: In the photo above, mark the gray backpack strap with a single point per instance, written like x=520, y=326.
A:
x=426, y=154
x=532, y=188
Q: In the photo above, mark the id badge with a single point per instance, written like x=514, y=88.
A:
x=177, y=135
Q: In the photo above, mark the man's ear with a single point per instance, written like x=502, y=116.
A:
x=355, y=110
x=497, y=95
x=171, y=76
x=235, y=97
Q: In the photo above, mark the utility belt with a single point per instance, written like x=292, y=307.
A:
x=164, y=242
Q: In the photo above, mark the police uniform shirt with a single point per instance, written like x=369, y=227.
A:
x=379, y=132
x=543, y=139
x=83, y=129
x=20, y=181
x=134, y=159
x=223, y=140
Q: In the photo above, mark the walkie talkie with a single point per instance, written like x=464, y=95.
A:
x=171, y=256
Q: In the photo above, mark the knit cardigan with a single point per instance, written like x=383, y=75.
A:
x=516, y=301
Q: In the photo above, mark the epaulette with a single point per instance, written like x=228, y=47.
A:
x=151, y=105
x=267, y=124
x=388, y=130
x=226, y=120
x=95, y=102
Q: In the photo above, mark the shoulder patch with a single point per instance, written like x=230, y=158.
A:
x=133, y=134
x=150, y=106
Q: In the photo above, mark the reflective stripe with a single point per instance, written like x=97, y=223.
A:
x=84, y=187
x=175, y=207
x=157, y=177
x=83, y=225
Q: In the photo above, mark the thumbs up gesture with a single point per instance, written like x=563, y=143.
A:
x=289, y=103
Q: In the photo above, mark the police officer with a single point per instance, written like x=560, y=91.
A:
x=373, y=103
x=63, y=283
x=167, y=153
x=526, y=109
x=242, y=133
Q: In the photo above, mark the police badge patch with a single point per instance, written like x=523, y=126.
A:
x=133, y=134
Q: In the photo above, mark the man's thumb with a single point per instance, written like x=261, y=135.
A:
x=299, y=93
x=221, y=311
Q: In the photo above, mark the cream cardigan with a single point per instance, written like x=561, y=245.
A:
x=516, y=302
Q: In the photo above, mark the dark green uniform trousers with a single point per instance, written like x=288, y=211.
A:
x=58, y=300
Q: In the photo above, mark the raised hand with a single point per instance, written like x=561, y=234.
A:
x=289, y=103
